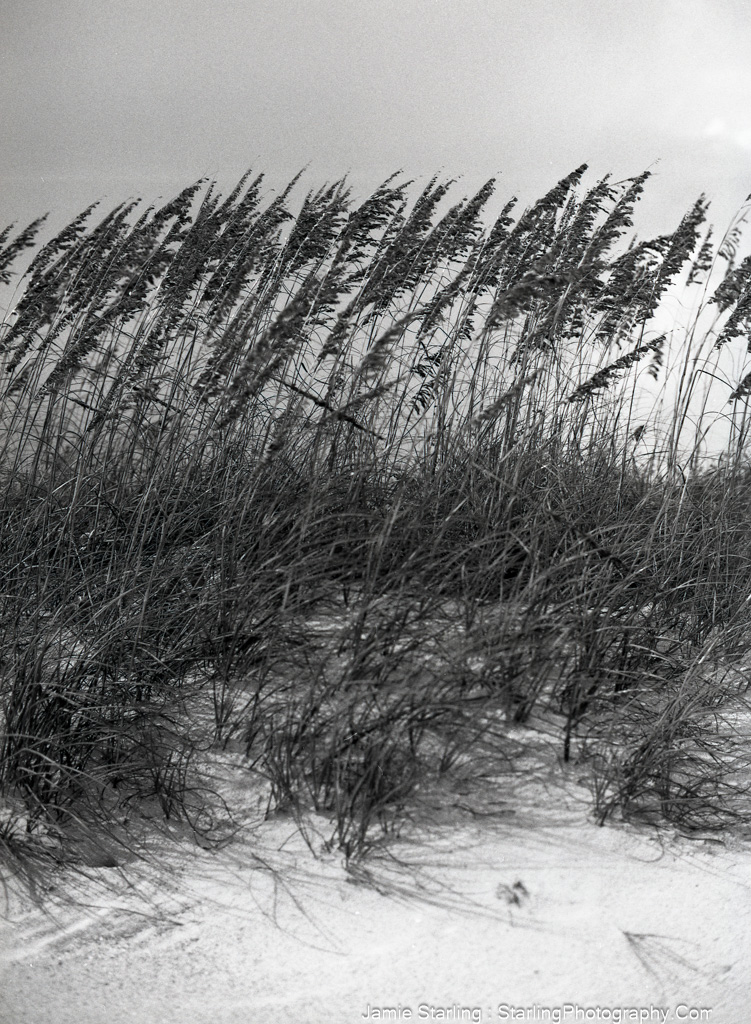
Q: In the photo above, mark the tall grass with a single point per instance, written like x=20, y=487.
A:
x=356, y=489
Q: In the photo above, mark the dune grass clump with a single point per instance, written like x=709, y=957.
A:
x=344, y=486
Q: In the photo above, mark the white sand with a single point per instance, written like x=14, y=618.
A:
x=506, y=907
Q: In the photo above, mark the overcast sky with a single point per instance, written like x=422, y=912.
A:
x=115, y=98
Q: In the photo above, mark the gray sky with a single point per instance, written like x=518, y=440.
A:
x=114, y=98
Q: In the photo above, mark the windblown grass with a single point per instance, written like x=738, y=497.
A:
x=364, y=485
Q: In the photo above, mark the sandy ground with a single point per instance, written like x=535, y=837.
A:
x=505, y=904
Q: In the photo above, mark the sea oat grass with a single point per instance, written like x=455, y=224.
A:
x=361, y=488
